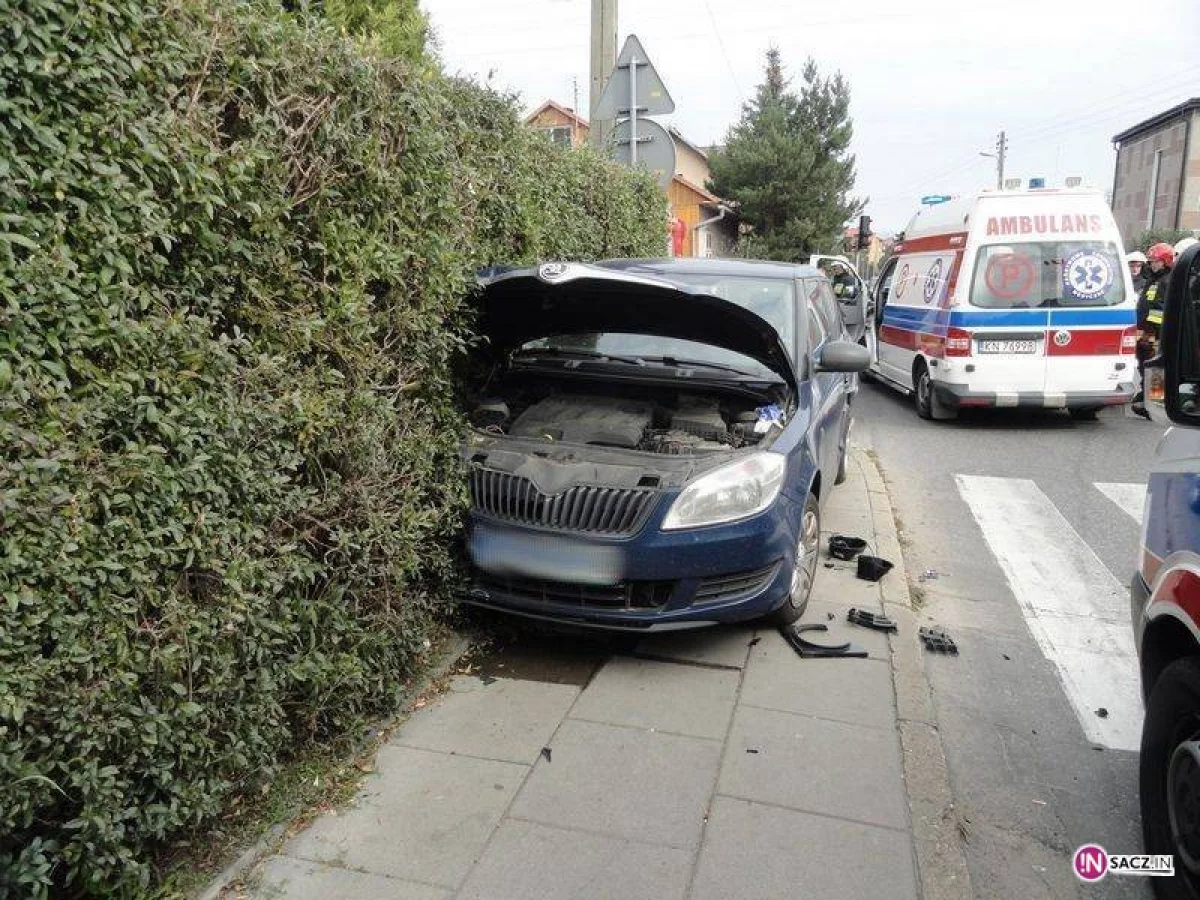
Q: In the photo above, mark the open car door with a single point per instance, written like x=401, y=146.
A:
x=852, y=297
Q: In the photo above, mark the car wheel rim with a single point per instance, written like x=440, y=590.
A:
x=807, y=551
x=1183, y=803
x=923, y=388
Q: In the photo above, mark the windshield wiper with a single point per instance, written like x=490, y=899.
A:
x=677, y=363
x=586, y=354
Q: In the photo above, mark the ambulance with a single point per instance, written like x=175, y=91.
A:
x=1008, y=298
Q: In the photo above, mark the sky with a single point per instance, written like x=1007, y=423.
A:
x=932, y=82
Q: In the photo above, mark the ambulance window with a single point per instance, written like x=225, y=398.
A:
x=1048, y=274
x=885, y=282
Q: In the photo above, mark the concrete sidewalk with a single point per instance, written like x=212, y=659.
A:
x=716, y=764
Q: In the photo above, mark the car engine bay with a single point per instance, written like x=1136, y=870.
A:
x=650, y=420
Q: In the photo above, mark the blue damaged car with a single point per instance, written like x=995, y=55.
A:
x=652, y=440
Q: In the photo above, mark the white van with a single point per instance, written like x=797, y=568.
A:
x=1008, y=299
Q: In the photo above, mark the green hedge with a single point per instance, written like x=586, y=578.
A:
x=233, y=256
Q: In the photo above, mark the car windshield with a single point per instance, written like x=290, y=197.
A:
x=1048, y=274
x=771, y=298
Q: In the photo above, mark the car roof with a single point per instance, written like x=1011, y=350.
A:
x=749, y=268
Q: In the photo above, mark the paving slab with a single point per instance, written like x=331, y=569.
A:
x=661, y=696
x=725, y=646
x=753, y=851
x=528, y=860
x=503, y=719
x=815, y=765
x=841, y=587
x=423, y=816
x=858, y=691
x=625, y=782
x=282, y=878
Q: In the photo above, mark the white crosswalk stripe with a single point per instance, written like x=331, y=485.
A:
x=1129, y=497
x=1076, y=610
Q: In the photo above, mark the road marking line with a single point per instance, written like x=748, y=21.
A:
x=1077, y=612
x=1130, y=497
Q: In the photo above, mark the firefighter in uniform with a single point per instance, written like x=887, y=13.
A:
x=1159, y=259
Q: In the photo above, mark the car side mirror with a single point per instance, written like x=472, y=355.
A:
x=1179, y=352
x=842, y=356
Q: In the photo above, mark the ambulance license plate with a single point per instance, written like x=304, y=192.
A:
x=1008, y=346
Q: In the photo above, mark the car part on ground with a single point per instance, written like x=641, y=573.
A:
x=937, y=640
x=872, y=568
x=808, y=650
x=868, y=619
x=845, y=547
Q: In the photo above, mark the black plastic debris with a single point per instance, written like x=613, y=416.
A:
x=843, y=546
x=809, y=650
x=546, y=753
x=872, y=568
x=754, y=640
x=752, y=750
x=937, y=640
x=867, y=619
x=1102, y=712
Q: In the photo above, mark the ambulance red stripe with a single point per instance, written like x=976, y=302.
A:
x=954, y=241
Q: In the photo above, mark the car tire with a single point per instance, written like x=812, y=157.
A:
x=1170, y=768
x=928, y=405
x=844, y=456
x=923, y=392
x=804, y=569
x=1084, y=413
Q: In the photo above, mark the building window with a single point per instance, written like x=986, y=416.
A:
x=559, y=134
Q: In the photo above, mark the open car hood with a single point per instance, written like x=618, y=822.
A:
x=573, y=298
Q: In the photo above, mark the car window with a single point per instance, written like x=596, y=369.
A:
x=1048, y=274
x=821, y=300
x=774, y=299
x=817, y=332
x=831, y=312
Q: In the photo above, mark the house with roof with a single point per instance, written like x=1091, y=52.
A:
x=1156, y=183
x=709, y=224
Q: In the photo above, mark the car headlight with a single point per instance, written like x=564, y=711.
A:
x=731, y=492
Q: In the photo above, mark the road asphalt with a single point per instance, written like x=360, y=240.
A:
x=1033, y=776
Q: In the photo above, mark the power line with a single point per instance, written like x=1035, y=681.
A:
x=724, y=53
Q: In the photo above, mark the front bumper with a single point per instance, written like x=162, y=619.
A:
x=654, y=581
x=958, y=396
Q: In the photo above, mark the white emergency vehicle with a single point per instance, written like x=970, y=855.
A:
x=1014, y=298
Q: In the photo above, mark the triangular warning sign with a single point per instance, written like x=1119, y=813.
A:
x=652, y=97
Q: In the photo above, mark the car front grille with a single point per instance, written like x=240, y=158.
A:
x=721, y=588
x=628, y=595
x=583, y=508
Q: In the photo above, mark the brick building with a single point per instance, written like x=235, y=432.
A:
x=1157, y=179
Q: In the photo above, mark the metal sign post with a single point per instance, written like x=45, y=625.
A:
x=633, y=93
x=633, y=64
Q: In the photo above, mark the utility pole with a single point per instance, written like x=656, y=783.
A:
x=604, y=60
x=1001, y=149
x=575, y=110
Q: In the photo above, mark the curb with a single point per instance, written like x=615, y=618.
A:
x=457, y=645
x=941, y=860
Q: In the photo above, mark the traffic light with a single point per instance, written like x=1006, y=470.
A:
x=864, y=232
